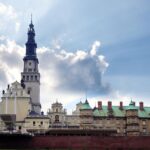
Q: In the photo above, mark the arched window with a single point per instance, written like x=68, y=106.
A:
x=56, y=118
x=31, y=78
x=41, y=122
x=27, y=78
x=29, y=91
x=35, y=77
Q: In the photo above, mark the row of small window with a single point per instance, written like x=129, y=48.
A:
x=37, y=122
x=34, y=123
x=30, y=70
x=31, y=78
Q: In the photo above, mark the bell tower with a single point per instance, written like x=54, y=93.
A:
x=30, y=75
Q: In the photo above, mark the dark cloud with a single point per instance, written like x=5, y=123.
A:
x=81, y=76
x=76, y=72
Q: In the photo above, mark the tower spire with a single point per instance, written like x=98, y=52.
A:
x=31, y=44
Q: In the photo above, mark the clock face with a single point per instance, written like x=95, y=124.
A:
x=30, y=64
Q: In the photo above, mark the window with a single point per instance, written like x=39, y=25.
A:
x=29, y=91
x=30, y=63
x=35, y=77
x=56, y=118
x=27, y=78
x=31, y=78
x=23, y=77
x=33, y=123
x=41, y=122
x=19, y=127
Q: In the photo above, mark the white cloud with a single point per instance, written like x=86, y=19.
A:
x=7, y=10
x=94, y=47
x=10, y=59
x=9, y=18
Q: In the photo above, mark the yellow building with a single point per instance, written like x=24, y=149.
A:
x=15, y=101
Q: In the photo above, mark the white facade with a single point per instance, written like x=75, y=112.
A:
x=57, y=115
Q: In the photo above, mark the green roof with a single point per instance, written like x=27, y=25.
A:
x=117, y=112
x=85, y=106
x=104, y=112
x=144, y=113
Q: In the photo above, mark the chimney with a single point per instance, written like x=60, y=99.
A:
x=109, y=105
x=141, y=106
x=134, y=103
x=121, y=105
x=100, y=105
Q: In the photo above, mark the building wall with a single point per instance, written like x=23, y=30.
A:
x=22, y=107
x=36, y=123
x=86, y=118
x=73, y=120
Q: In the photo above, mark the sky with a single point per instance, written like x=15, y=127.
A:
x=97, y=49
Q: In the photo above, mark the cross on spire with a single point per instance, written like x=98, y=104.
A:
x=31, y=18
